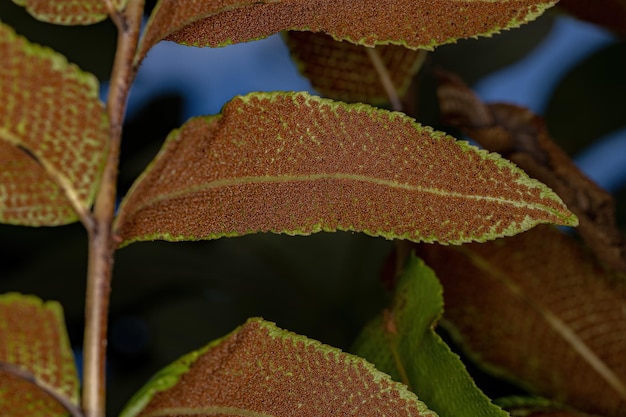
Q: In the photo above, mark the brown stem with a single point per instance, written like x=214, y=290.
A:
x=385, y=79
x=101, y=242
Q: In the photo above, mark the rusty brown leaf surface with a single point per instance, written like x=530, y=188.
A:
x=299, y=164
x=344, y=71
x=64, y=12
x=261, y=370
x=37, y=373
x=522, y=137
x=416, y=23
x=538, y=309
x=53, y=135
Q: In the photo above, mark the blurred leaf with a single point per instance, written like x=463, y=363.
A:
x=64, y=12
x=402, y=342
x=416, y=23
x=609, y=13
x=538, y=407
x=537, y=309
x=344, y=71
x=37, y=372
x=260, y=369
x=521, y=136
x=298, y=164
x=53, y=135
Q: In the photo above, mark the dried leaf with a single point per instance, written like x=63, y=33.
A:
x=344, y=71
x=416, y=23
x=64, y=12
x=402, y=342
x=37, y=372
x=522, y=137
x=53, y=135
x=265, y=371
x=298, y=164
x=611, y=13
x=538, y=309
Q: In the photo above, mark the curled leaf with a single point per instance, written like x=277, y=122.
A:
x=402, y=342
x=344, y=71
x=261, y=370
x=53, y=135
x=415, y=23
x=539, y=310
x=298, y=164
x=522, y=137
x=37, y=372
x=64, y=12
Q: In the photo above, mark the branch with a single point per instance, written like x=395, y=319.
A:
x=385, y=79
x=101, y=242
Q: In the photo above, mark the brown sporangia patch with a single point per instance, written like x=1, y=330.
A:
x=54, y=134
x=413, y=23
x=344, y=71
x=33, y=338
x=262, y=370
x=537, y=307
x=521, y=136
x=63, y=12
x=298, y=164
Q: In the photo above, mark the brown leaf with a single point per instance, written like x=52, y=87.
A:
x=37, y=373
x=260, y=370
x=609, y=13
x=521, y=136
x=538, y=309
x=298, y=164
x=64, y=12
x=344, y=71
x=415, y=23
x=53, y=135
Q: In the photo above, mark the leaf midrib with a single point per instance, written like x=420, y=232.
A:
x=558, y=325
x=229, y=182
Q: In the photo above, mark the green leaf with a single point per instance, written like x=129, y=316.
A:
x=539, y=310
x=53, y=135
x=402, y=342
x=298, y=164
x=261, y=370
x=416, y=23
x=37, y=372
x=64, y=12
x=344, y=71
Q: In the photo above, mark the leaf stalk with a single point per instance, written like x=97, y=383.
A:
x=101, y=239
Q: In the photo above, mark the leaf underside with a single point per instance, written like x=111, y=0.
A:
x=260, y=370
x=53, y=135
x=33, y=339
x=522, y=137
x=538, y=309
x=402, y=342
x=298, y=164
x=421, y=24
x=344, y=71
x=64, y=12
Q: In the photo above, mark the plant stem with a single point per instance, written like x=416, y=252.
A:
x=385, y=78
x=101, y=239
